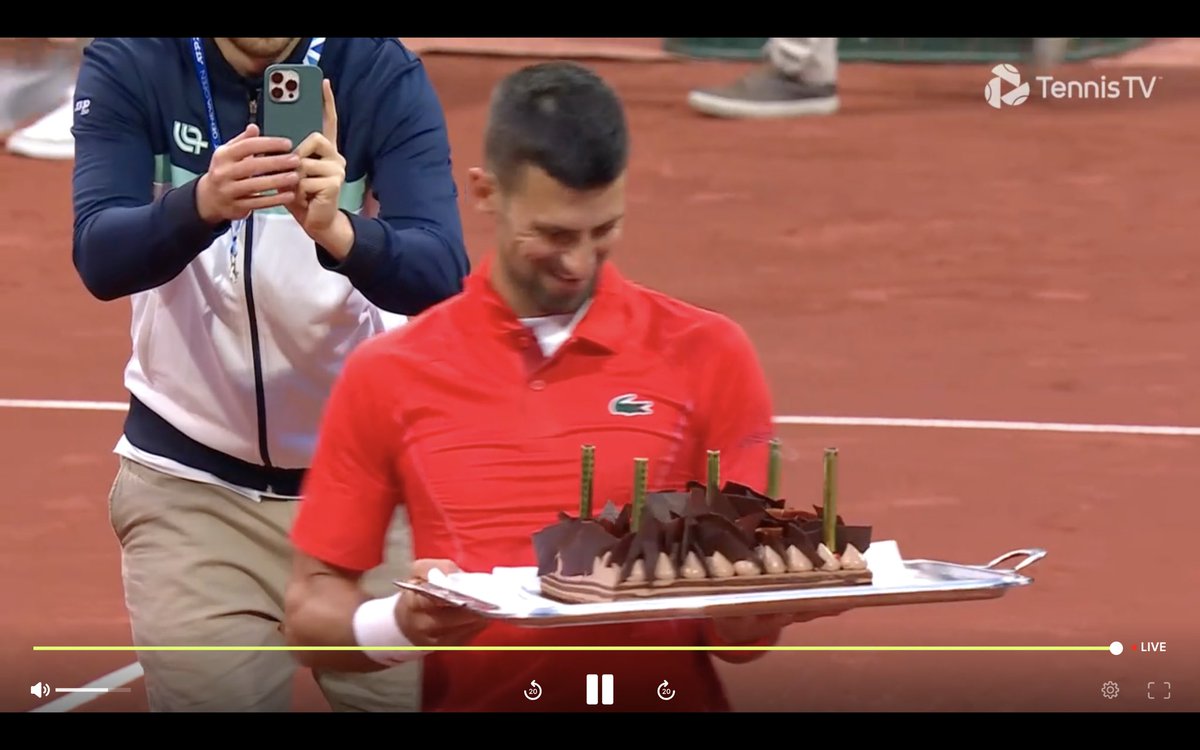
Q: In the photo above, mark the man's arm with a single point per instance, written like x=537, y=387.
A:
x=325, y=607
x=350, y=496
x=125, y=241
x=412, y=255
x=320, y=604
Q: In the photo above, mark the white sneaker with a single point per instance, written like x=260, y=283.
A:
x=48, y=138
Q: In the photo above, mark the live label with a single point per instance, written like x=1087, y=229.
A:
x=1154, y=646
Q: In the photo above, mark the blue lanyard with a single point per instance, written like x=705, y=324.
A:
x=311, y=57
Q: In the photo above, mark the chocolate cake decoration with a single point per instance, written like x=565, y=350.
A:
x=703, y=537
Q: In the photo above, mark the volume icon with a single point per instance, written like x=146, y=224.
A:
x=40, y=690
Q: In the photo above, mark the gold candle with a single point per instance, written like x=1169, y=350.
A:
x=586, y=488
x=639, y=492
x=829, y=509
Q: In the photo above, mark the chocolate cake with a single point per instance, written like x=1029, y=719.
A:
x=698, y=540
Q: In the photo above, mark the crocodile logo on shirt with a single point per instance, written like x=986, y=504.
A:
x=628, y=405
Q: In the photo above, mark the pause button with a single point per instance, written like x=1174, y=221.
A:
x=599, y=689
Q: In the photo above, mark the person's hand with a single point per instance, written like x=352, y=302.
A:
x=322, y=174
x=750, y=630
x=241, y=171
x=740, y=631
x=757, y=630
x=817, y=615
x=429, y=622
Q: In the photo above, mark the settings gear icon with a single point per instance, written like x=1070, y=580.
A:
x=1110, y=690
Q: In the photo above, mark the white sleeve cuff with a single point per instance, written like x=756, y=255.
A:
x=375, y=628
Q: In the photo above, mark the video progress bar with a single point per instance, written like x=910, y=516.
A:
x=1114, y=648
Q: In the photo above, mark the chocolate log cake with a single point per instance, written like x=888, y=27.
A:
x=698, y=540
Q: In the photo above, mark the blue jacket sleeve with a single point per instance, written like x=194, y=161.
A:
x=412, y=255
x=125, y=241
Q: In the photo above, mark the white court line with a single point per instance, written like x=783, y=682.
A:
x=120, y=677
x=954, y=424
x=976, y=424
x=29, y=403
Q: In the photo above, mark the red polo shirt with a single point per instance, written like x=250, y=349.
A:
x=460, y=417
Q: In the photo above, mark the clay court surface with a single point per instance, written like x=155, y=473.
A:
x=918, y=256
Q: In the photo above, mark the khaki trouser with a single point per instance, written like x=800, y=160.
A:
x=808, y=59
x=203, y=566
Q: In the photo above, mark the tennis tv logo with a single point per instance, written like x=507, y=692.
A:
x=994, y=91
x=1005, y=88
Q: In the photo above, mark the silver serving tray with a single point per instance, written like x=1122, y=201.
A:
x=513, y=594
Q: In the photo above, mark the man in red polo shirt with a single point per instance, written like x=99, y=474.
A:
x=473, y=415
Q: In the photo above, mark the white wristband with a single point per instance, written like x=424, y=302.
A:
x=375, y=626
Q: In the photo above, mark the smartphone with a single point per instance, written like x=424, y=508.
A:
x=293, y=105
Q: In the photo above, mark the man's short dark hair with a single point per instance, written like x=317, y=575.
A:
x=562, y=118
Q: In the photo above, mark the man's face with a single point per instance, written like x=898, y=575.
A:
x=552, y=240
x=262, y=48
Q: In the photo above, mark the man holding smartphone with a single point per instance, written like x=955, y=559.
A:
x=253, y=271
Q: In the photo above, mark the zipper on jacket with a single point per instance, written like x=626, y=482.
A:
x=259, y=390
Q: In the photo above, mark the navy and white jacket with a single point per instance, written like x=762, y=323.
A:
x=234, y=353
